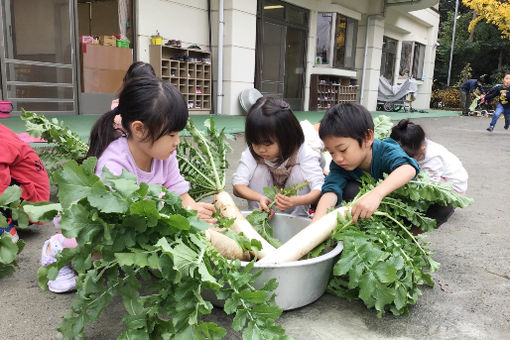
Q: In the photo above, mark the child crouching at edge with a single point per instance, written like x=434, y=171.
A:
x=347, y=131
x=440, y=164
x=21, y=166
x=153, y=113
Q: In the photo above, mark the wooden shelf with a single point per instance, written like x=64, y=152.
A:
x=189, y=70
x=327, y=91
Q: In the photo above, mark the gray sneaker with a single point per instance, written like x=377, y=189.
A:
x=490, y=128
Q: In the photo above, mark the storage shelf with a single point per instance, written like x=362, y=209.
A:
x=189, y=70
x=328, y=90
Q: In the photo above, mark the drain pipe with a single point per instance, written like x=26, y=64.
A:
x=221, y=23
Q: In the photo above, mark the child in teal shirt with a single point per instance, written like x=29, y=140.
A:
x=347, y=131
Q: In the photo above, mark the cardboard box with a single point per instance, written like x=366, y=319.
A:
x=108, y=40
x=104, y=67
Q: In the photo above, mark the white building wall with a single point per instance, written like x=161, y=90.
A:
x=420, y=26
x=239, y=41
x=187, y=20
x=184, y=20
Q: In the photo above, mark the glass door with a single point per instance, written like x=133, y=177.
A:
x=37, y=61
x=281, y=49
x=272, y=66
x=294, y=65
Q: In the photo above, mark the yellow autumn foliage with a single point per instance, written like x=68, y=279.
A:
x=493, y=11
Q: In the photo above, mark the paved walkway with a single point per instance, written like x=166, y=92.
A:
x=470, y=299
x=82, y=124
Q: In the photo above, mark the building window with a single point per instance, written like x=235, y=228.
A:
x=418, y=60
x=412, y=59
x=336, y=40
x=388, y=58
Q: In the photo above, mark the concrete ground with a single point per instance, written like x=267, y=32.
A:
x=470, y=299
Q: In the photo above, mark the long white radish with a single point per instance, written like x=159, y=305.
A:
x=226, y=246
x=225, y=204
x=307, y=239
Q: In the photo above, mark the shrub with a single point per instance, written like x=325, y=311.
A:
x=445, y=98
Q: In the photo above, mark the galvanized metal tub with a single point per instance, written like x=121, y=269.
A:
x=300, y=282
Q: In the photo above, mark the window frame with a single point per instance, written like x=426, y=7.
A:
x=332, y=50
x=387, y=51
x=415, y=61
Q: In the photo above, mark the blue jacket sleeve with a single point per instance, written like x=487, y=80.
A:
x=493, y=92
x=393, y=156
x=335, y=181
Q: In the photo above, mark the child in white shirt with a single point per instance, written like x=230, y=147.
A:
x=440, y=164
x=277, y=155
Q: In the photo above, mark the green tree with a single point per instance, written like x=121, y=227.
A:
x=483, y=48
x=495, y=12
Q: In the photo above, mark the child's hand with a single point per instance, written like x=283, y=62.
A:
x=264, y=201
x=205, y=211
x=285, y=202
x=366, y=206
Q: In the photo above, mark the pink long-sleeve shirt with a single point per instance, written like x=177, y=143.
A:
x=117, y=156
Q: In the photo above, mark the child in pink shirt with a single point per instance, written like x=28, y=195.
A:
x=153, y=112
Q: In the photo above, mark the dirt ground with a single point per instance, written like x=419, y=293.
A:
x=470, y=300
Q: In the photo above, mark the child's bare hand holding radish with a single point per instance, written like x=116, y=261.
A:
x=264, y=202
x=286, y=202
x=204, y=210
x=366, y=205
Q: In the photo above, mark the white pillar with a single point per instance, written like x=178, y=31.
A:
x=239, y=40
x=373, y=30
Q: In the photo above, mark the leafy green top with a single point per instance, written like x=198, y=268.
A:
x=130, y=234
x=203, y=160
x=383, y=263
x=10, y=199
x=65, y=143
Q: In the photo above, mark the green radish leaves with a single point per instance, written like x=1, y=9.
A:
x=382, y=262
x=203, y=159
x=138, y=242
x=10, y=200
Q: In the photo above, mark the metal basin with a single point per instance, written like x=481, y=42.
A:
x=300, y=282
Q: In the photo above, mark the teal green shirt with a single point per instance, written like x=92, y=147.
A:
x=387, y=155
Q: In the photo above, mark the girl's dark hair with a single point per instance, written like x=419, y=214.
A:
x=409, y=135
x=157, y=104
x=139, y=69
x=347, y=120
x=271, y=120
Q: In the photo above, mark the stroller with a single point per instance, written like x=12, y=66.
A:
x=392, y=98
x=481, y=108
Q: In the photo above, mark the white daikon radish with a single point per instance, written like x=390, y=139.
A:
x=225, y=204
x=306, y=240
x=226, y=246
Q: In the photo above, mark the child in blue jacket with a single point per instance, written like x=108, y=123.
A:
x=503, y=94
x=347, y=131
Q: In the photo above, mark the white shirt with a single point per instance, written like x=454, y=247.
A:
x=314, y=142
x=306, y=159
x=439, y=163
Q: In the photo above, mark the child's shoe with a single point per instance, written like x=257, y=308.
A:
x=66, y=277
x=506, y=127
x=11, y=230
x=490, y=128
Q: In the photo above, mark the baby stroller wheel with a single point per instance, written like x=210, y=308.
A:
x=484, y=113
x=388, y=106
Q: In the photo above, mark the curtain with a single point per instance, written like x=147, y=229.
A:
x=123, y=17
